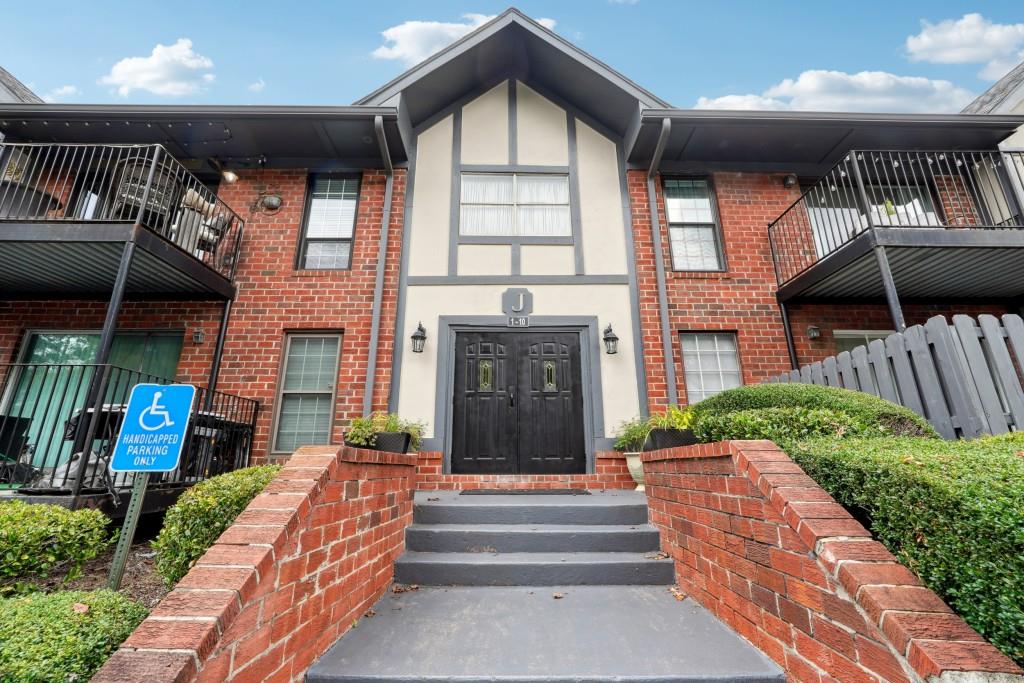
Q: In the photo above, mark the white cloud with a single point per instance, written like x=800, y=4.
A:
x=971, y=39
x=61, y=93
x=875, y=91
x=258, y=86
x=172, y=70
x=413, y=41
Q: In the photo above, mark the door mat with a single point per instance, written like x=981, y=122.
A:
x=524, y=492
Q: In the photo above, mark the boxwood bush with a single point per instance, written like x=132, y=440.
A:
x=781, y=425
x=63, y=636
x=867, y=412
x=40, y=542
x=952, y=511
x=202, y=514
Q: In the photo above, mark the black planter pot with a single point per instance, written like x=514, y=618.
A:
x=389, y=442
x=658, y=439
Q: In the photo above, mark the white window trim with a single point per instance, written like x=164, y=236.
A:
x=279, y=391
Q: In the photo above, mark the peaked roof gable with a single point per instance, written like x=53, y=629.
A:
x=513, y=45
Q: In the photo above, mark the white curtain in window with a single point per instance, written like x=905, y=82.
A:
x=486, y=189
x=542, y=189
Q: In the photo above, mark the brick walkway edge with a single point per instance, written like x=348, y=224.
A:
x=304, y=561
x=760, y=544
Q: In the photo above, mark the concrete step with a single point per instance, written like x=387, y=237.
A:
x=606, y=507
x=524, y=635
x=533, y=569
x=531, y=538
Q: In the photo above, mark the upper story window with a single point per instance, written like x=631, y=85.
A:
x=515, y=205
x=693, y=226
x=330, y=223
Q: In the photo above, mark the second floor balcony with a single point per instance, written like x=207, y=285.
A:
x=68, y=210
x=930, y=225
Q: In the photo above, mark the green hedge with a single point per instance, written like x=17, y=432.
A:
x=866, y=411
x=39, y=542
x=781, y=425
x=202, y=514
x=951, y=511
x=62, y=636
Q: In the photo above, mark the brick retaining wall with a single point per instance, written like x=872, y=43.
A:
x=760, y=544
x=610, y=473
x=304, y=561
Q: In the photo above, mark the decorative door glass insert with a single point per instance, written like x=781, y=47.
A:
x=485, y=374
x=550, y=376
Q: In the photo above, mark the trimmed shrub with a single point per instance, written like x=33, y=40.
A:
x=866, y=410
x=202, y=514
x=781, y=425
x=39, y=542
x=63, y=636
x=630, y=435
x=952, y=511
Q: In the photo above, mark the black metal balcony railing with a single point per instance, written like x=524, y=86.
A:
x=142, y=184
x=59, y=423
x=886, y=189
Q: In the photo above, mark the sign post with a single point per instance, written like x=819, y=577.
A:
x=152, y=436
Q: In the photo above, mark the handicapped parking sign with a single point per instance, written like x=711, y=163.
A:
x=154, y=428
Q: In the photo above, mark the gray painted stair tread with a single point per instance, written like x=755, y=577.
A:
x=604, y=507
x=539, y=528
x=513, y=634
x=527, y=558
x=620, y=497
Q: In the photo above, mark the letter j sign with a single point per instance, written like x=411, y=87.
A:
x=155, y=428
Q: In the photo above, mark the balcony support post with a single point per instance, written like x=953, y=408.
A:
x=891, y=295
x=114, y=304
x=790, y=342
x=218, y=353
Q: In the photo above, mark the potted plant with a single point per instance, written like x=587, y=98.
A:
x=670, y=429
x=629, y=439
x=384, y=432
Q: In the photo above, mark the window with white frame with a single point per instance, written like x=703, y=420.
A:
x=330, y=223
x=515, y=205
x=711, y=363
x=305, y=405
x=848, y=340
x=692, y=225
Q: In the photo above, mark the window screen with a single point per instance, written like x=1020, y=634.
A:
x=711, y=364
x=693, y=232
x=330, y=222
x=306, y=402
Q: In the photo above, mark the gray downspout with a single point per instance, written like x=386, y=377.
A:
x=382, y=256
x=659, y=263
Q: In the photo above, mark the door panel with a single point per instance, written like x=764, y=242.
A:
x=518, y=403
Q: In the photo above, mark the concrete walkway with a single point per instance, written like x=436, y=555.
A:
x=520, y=633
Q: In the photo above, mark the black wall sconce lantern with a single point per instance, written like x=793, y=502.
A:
x=419, y=338
x=198, y=336
x=813, y=332
x=611, y=340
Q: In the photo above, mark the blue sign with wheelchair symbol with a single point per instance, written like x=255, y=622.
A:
x=154, y=429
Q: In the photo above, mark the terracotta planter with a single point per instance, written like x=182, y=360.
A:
x=636, y=469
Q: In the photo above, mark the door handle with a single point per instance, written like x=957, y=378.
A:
x=512, y=397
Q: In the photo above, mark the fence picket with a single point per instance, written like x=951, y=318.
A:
x=817, y=377
x=1006, y=374
x=863, y=370
x=879, y=360
x=928, y=380
x=979, y=374
x=903, y=371
x=1014, y=325
x=968, y=412
x=830, y=369
x=794, y=376
x=805, y=374
x=846, y=374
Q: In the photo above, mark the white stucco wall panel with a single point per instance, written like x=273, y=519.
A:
x=430, y=215
x=604, y=237
x=485, y=128
x=547, y=259
x=541, y=130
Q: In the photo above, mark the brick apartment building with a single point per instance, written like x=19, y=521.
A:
x=524, y=206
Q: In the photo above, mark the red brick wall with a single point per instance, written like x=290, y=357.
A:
x=298, y=567
x=740, y=300
x=610, y=472
x=273, y=298
x=758, y=543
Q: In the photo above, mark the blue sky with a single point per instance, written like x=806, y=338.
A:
x=875, y=56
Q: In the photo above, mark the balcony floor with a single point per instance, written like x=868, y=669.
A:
x=926, y=263
x=40, y=260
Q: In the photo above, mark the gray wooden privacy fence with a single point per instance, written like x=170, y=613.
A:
x=964, y=378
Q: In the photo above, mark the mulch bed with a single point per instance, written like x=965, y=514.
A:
x=141, y=582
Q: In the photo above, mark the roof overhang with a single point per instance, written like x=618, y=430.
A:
x=514, y=46
x=807, y=143
x=319, y=138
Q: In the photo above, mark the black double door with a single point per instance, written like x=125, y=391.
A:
x=518, y=403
